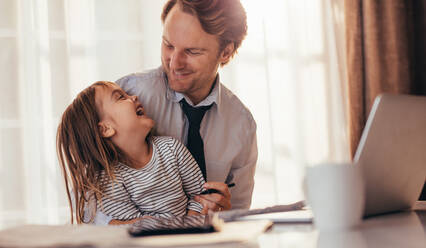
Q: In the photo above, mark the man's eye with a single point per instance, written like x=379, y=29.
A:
x=192, y=52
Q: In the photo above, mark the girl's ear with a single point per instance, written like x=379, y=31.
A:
x=106, y=129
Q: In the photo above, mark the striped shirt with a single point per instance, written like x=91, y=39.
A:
x=162, y=188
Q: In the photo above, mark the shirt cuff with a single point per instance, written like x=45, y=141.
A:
x=101, y=219
x=195, y=206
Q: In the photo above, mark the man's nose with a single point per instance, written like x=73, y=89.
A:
x=177, y=60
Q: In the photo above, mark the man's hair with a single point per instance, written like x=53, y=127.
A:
x=224, y=18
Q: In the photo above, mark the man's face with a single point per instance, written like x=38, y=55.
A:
x=189, y=55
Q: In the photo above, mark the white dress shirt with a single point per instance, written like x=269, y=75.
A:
x=228, y=129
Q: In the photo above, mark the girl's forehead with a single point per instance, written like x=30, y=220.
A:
x=105, y=88
x=107, y=85
x=103, y=93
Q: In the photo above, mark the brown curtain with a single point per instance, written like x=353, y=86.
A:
x=386, y=52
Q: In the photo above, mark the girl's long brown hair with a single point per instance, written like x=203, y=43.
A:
x=83, y=153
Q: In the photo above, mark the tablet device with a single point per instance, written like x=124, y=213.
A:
x=175, y=225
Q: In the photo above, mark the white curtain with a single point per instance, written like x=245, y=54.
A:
x=288, y=72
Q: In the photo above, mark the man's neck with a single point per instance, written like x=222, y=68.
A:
x=203, y=93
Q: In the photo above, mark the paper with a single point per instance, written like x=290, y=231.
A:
x=96, y=236
x=297, y=216
x=233, y=215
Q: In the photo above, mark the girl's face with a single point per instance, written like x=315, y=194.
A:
x=121, y=115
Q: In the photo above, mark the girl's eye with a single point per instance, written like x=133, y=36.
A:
x=121, y=96
x=167, y=45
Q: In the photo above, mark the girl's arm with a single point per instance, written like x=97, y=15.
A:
x=191, y=176
x=116, y=203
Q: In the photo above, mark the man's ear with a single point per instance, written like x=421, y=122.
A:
x=106, y=129
x=227, y=52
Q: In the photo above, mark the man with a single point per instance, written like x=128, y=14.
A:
x=187, y=101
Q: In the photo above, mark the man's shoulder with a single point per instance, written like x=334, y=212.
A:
x=235, y=108
x=150, y=78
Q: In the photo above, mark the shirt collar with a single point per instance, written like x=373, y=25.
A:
x=213, y=97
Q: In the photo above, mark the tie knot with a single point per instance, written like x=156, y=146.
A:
x=194, y=114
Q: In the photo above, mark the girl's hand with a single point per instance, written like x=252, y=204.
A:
x=216, y=201
x=192, y=212
x=125, y=222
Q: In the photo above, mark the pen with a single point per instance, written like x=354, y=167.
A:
x=211, y=191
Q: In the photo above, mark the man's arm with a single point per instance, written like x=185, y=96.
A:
x=242, y=174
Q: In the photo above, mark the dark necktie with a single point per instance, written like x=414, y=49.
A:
x=195, y=143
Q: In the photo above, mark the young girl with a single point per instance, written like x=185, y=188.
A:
x=109, y=160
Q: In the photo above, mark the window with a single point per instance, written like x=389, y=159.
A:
x=286, y=72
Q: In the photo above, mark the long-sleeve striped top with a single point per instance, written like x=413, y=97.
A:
x=162, y=188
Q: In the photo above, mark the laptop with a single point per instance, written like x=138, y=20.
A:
x=392, y=153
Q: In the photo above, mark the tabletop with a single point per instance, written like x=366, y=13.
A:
x=401, y=229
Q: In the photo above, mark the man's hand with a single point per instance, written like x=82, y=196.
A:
x=216, y=201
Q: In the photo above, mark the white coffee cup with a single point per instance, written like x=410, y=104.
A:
x=336, y=195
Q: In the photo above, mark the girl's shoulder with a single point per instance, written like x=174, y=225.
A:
x=164, y=140
x=163, y=143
